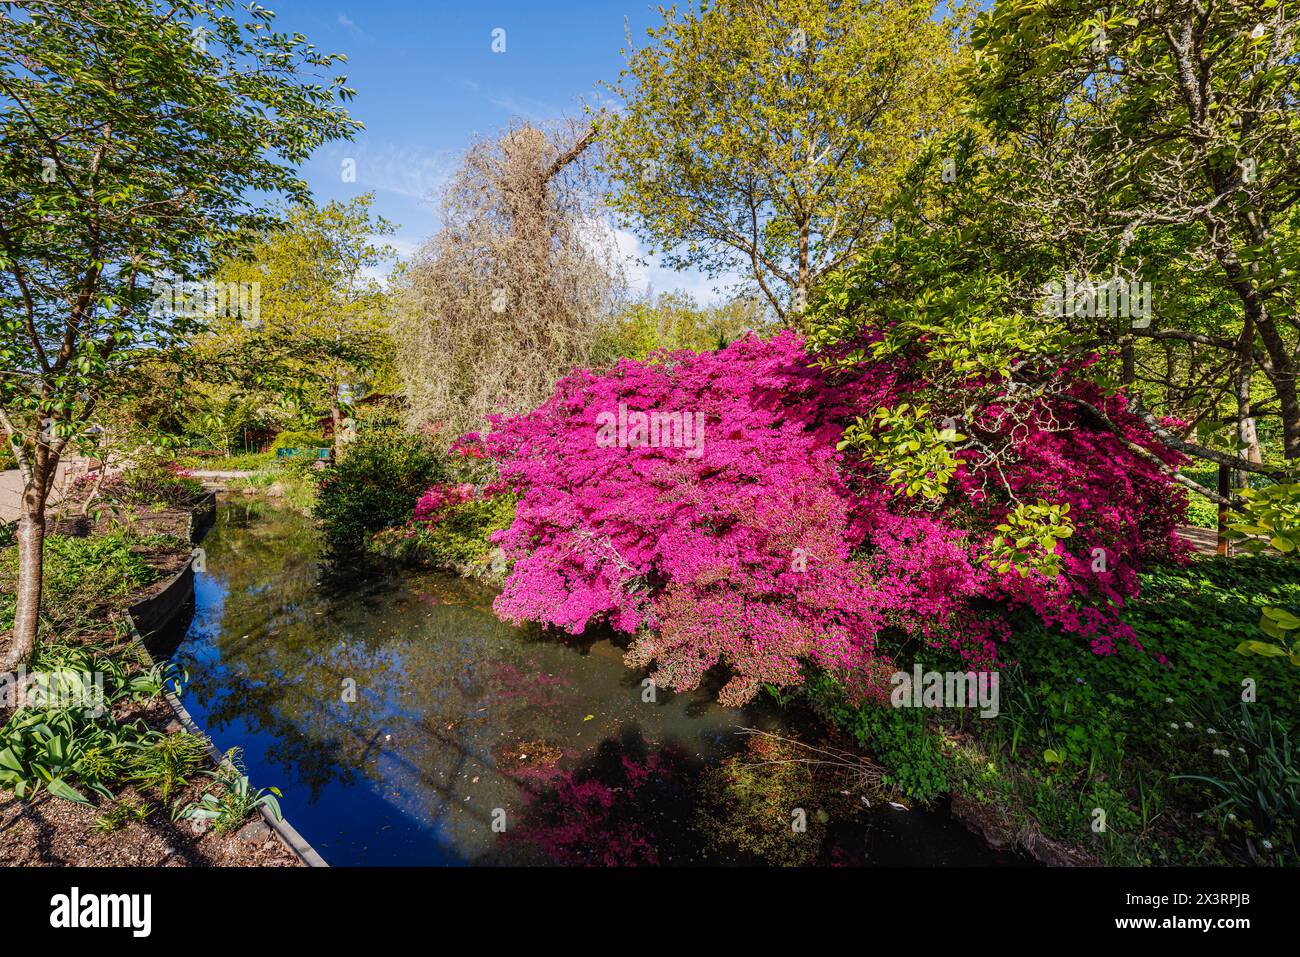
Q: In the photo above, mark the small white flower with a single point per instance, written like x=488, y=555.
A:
x=1188, y=724
x=1210, y=731
x=1174, y=725
x=1268, y=845
x=1169, y=701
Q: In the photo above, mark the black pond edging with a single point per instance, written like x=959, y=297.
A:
x=153, y=615
x=202, y=517
x=158, y=613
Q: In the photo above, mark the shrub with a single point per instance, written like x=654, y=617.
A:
x=758, y=546
x=150, y=482
x=290, y=439
x=452, y=527
x=375, y=485
x=898, y=737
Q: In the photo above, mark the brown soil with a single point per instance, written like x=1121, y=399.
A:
x=47, y=831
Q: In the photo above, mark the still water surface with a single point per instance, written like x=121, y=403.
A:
x=401, y=719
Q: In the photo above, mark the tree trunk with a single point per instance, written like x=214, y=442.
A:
x=336, y=416
x=31, y=568
x=1247, y=437
x=801, y=291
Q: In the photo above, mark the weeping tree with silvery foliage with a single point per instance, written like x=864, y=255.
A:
x=513, y=290
x=138, y=142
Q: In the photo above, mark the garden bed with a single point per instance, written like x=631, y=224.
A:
x=91, y=580
x=49, y=831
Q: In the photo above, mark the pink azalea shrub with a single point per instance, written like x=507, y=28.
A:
x=764, y=549
x=439, y=500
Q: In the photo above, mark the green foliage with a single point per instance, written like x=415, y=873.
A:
x=239, y=462
x=1259, y=790
x=1078, y=732
x=292, y=484
x=189, y=169
x=319, y=337
x=904, y=442
x=71, y=743
x=290, y=439
x=126, y=811
x=167, y=762
x=1280, y=625
x=674, y=321
x=150, y=483
x=741, y=139
x=375, y=485
x=1269, y=517
x=1026, y=539
x=460, y=540
x=898, y=738
x=233, y=800
x=81, y=574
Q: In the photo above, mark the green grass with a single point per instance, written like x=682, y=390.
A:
x=296, y=485
x=240, y=462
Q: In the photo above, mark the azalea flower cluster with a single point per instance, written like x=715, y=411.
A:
x=770, y=550
x=437, y=502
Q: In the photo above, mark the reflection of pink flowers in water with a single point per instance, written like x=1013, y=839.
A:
x=530, y=689
x=602, y=815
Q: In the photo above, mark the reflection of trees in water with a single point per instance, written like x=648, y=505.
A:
x=283, y=657
x=628, y=803
x=439, y=681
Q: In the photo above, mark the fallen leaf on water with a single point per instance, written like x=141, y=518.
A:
x=589, y=717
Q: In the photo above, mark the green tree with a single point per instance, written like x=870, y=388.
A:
x=137, y=142
x=673, y=320
x=1162, y=141
x=321, y=307
x=769, y=135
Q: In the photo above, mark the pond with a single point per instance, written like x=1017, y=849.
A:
x=405, y=724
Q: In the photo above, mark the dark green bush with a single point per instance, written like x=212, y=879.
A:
x=375, y=485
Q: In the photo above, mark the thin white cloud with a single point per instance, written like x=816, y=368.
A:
x=647, y=274
x=510, y=102
x=405, y=171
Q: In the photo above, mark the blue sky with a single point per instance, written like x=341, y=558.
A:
x=427, y=82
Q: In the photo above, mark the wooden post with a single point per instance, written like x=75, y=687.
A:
x=1225, y=475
